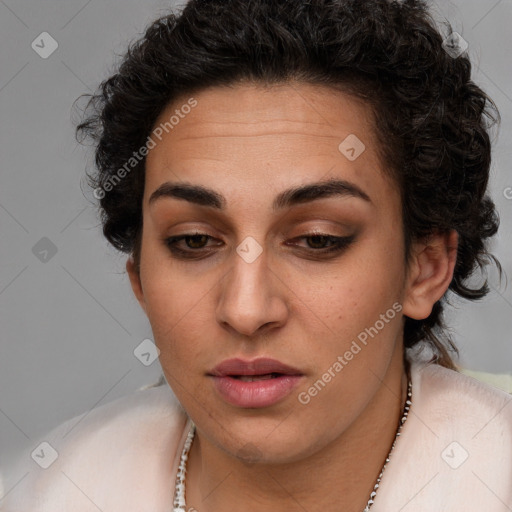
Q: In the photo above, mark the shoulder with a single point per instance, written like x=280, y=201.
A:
x=461, y=404
x=89, y=462
x=455, y=451
x=439, y=386
x=458, y=395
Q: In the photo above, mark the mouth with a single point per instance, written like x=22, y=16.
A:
x=254, y=384
x=254, y=378
x=262, y=368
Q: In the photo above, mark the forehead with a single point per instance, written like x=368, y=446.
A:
x=265, y=139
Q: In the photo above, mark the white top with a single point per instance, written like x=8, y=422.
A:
x=454, y=454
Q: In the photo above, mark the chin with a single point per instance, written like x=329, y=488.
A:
x=265, y=443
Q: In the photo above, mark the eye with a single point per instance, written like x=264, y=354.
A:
x=321, y=243
x=193, y=241
x=196, y=244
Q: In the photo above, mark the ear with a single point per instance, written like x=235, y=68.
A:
x=135, y=281
x=430, y=273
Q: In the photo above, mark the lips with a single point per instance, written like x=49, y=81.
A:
x=254, y=384
x=254, y=378
x=258, y=367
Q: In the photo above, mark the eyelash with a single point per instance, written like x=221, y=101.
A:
x=340, y=243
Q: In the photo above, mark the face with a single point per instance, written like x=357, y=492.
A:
x=242, y=265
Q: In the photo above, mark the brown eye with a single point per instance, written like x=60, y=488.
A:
x=321, y=243
x=318, y=241
x=195, y=245
x=198, y=241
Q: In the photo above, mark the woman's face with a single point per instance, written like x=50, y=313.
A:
x=314, y=281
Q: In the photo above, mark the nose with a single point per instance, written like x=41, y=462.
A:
x=252, y=297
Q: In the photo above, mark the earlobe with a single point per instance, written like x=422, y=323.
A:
x=135, y=282
x=430, y=273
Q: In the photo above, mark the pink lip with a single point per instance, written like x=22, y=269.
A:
x=259, y=366
x=259, y=393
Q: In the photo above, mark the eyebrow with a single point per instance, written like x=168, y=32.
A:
x=204, y=196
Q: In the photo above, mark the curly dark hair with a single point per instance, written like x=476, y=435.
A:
x=432, y=121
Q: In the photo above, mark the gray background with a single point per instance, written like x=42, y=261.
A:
x=70, y=324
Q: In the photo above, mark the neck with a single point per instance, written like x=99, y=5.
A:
x=340, y=476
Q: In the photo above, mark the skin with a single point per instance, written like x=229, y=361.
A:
x=249, y=143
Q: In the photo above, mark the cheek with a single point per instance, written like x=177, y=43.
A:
x=359, y=306
x=364, y=326
x=362, y=287
x=175, y=310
